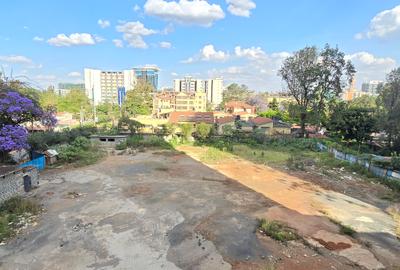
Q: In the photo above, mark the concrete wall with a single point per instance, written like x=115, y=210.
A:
x=12, y=183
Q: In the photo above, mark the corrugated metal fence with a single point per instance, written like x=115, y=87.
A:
x=39, y=163
x=377, y=171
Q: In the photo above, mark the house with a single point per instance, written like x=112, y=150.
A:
x=222, y=122
x=281, y=128
x=241, y=110
x=262, y=124
x=165, y=103
x=191, y=117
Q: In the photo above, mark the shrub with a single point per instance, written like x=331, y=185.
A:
x=121, y=146
x=203, y=130
x=80, y=152
x=134, y=141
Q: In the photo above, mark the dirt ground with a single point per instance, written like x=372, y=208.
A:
x=307, y=203
x=164, y=210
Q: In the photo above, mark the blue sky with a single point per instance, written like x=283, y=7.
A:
x=243, y=41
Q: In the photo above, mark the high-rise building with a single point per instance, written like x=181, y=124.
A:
x=148, y=74
x=371, y=87
x=189, y=84
x=102, y=86
x=213, y=88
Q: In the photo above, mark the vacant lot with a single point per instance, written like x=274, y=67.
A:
x=165, y=210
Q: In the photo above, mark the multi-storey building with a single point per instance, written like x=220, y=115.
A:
x=64, y=88
x=371, y=87
x=103, y=86
x=166, y=102
x=148, y=74
x=213, y=88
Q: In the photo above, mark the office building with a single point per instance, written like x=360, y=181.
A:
x=102, y=86
x=148, y=74
x=371, y=87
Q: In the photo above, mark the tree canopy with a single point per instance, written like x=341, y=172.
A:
x=235, y=92
x=139, y=101
x=316, y=78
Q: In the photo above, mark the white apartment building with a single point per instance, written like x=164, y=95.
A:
x=213, y=88
x=102, y=86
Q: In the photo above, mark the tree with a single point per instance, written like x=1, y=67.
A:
x=352, y=123
x=366, y=102
x=139, y=101
x=274, y=105
x=48, y=99
x=203, y=130
x=258, y=100
x=316, y=79
x=186, y=130
x=74, y=102
x=108, y=112
x=48, y=118
x=235, y=92
x=132, y=125
x=389, y=101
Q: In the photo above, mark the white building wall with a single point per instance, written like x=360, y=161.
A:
x=129, y=80
x=93, y=85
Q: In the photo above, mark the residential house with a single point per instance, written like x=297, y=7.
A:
x=221, y=123
x=241, y=110
x=262, y=124
x=165, y=103
x=191, y=117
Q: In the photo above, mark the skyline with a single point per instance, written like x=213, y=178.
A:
x=242, y=41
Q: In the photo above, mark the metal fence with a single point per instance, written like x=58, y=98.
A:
x=39, y=163
x=375, y=170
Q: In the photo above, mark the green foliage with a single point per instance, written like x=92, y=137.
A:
x=274, y=105
x=276, y=114
x=74, y=102
x=227, y=130
x=79, y=153
x=316, y=79
x=42, y=141
x=352, y=123
x=138, y=141
x=186, y=130
x=213, y=155
x=121, y=146
x=389, y=101
x=203, y=131
x=132, y=125
x=235, y=92
x=168, y=129
x=277, y=231
x=108, y=112
x=12, y=211
x=139, y=101
x=364, y=102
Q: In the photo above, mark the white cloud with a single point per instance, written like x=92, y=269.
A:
x=208, y=53
x=76, y=39
x=74, y=74
x=136, y=8
x=103, y=23
x=254, y=53
x=15, y=59
x=133, y=33
x=383, y=24
x=118, y=43
x=165, y=45
x=174, y=74
x=240, y=7
x=197, y=12
x=370, y=67
x=38, y=39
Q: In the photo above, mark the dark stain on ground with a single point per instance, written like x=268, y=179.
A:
x=333, y=246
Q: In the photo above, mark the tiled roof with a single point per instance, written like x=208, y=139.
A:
x=261, y=120
x=238, y=104
x=224, y=120
x=192, y=117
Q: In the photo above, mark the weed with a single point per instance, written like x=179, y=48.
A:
x=213, y=155
x=277, y=231
x=344, y=229
x=13, y=212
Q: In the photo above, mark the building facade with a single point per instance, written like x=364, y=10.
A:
x=165, y=103
x=64, y=88
x=148, y=74
x=371, y=87
x=213, y=88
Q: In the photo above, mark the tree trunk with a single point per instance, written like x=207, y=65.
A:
x=303, y=116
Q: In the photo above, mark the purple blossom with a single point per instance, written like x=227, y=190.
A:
x=16, y=108
x=48, y=119
x=13, y=138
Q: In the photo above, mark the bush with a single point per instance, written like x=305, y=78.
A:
x=80, y=152
x=121, y=146
x=138, y=141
